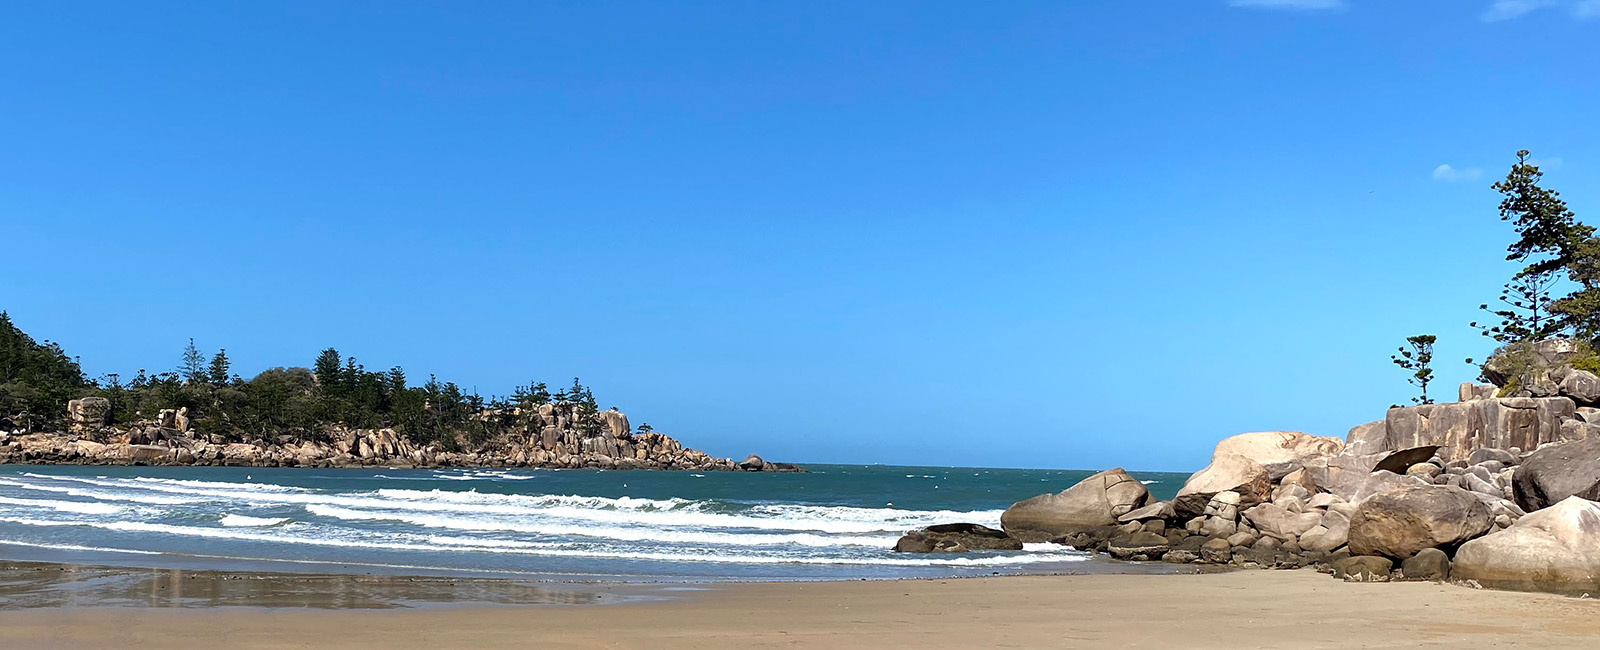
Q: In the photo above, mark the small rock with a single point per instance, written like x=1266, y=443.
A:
x=1429, y=564
x=1363, y=568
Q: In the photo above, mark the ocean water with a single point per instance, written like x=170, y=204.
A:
x=837, y=522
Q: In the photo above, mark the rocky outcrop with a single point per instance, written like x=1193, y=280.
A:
x=1403, y=521
x=1279, y=452
x=956, y=538
x=1093, y=502
x=1228, y=473
x=88, y=414
x=551, y=437
x=1461, y=428
x=1552, y=474
x=1556, y=549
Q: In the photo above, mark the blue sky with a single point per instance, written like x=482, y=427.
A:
x=1030, y=234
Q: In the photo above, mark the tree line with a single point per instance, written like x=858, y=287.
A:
x=1556, y=293
x=37, y=378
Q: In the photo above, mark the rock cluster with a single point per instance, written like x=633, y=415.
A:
x=1289, y=500
x=550, y=437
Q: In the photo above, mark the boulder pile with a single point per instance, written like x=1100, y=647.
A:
x=1355, y=508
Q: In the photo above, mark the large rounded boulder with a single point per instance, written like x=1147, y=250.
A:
x=1094, y=502
x=1400, y=522
x=1556, y=549
x=1227, y=473
x=1279, y=452
x=1552, y=474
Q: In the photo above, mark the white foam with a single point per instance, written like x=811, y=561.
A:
x=79, y=507
x=321, y=538
x=75, y=547
x=629, y=534
x=148, y=499
x=245, y=521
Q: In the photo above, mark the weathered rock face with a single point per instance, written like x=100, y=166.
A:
x=1224, y=474
x=1556, y=549
x=88, y=413
x=1369, y=438
x=1403, y=521
x=1279, y=452
x=616, y=423
x=1552, y=474
x=956, y=538
x=1464, y=427
x=1094, y=502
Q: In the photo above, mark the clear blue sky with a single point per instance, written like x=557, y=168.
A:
x=1021, y=234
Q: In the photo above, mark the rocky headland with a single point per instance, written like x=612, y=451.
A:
x=554, y=436
x=1496, y=490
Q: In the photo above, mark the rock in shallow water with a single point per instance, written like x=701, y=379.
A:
x=956, y=538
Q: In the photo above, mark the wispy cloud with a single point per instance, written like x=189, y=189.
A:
x=1289, y=5
x=1450, y=174
x=1510, y=9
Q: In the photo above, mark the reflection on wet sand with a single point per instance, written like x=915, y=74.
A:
x=27, y=585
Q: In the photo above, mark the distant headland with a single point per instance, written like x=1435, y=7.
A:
x=335, y=414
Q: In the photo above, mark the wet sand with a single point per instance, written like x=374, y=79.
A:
x=1239, y=609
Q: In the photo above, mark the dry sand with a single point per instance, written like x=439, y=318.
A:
x=1242, y=609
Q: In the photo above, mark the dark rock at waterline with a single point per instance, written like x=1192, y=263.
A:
x=956, y=538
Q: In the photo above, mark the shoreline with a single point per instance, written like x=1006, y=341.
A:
x=35, y=584
x=1262, y=609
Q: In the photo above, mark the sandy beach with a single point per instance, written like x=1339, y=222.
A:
x=1241, y=609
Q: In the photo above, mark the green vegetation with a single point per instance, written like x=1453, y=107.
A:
x=1418, y=360
x=1556, y=293
x=37, y=380
x=1558, y=252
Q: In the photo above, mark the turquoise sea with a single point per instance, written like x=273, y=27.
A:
x=836, y=522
